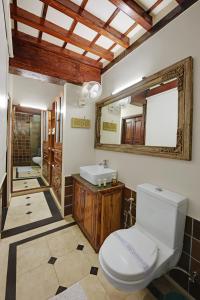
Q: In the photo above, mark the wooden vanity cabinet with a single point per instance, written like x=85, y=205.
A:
x=97, y=211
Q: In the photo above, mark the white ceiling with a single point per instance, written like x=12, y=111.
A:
x=122, y=22
x=51, y=39
x=103, y=10
x=33, y=6
x=58, y=18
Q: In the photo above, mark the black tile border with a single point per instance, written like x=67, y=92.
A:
x=4, y=215
x=41, y=181
x=10, y=293
x=56, y=216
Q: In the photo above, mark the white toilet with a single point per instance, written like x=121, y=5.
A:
x=37, y=160
x=131, y=258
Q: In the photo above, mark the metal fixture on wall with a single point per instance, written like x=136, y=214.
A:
x=91, y=91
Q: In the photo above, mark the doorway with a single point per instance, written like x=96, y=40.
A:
x=133, y=130
x=26, y=149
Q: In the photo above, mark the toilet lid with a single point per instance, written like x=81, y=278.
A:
x=129, y=254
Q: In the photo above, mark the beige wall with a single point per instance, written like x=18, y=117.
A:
x=176, y=41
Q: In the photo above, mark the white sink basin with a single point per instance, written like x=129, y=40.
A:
x=95, y=172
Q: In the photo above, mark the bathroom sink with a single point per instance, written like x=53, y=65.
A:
x=95, y=173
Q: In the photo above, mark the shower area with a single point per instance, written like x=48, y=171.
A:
x=26, y=141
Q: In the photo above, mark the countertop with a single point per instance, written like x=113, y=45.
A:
x=95, y=188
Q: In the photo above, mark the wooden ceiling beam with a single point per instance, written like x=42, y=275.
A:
x=72, y=10
x=44, y=13
x=37, y=61
x=38, y=23
x=56, y=49
x=134, y=11
x=156, y=4
x=114, y=14
x=74, y=23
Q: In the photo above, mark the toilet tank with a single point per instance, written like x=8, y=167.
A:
x=162, y=214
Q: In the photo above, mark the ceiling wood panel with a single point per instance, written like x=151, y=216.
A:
x=29, y=19
x=134, y=11
x=71, y=9
x=35, y=59
x=88, y=34
x=56, y=49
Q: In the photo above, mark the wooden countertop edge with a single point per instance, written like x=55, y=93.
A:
x=95, y=188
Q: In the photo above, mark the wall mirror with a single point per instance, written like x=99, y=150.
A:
x=152, y=117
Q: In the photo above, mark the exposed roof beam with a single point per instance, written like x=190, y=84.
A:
x=74, y=23
x=156, y=4
x=134, y=11
x=44, y=13
x=29, y=19
x=72, y=10
x=56, y=49
x=29, y=57
x=179, y=9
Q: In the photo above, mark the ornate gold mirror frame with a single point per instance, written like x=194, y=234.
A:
x=183, y=71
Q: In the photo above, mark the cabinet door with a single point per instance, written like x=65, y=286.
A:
x=110, y=213
x=88, y=219
x=78, y=204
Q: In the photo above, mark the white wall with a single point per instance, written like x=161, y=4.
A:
x=78, y=143
x=3, y=94
x=176, y=41
x=33, y=91
x=110, y=137
x=131, y=110
x=162, y=119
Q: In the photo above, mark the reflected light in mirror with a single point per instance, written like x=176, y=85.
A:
x=127, y=85
x=40, y=107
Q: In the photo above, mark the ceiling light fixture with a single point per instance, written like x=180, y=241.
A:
x=40, y=107
x=127, y=85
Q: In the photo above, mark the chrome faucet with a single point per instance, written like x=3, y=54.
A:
x=104, y=163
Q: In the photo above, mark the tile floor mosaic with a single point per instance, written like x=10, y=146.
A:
x=27, y=212
x=50, y=263
x=46, y=261
x=27, y=209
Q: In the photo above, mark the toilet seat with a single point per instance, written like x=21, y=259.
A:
x=129, y=255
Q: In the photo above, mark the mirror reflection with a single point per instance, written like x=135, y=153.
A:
x=26, y=149
x=148, y=117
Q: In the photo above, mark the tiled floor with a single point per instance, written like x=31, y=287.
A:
x=40, y=263
x=26, y=209
x=25, y=184
x=32, y=171
x=55, y=260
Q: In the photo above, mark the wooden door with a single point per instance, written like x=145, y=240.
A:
x=138, y=130
x=133, y=130
x=78, y=203
x=128, y=131
x=88, y=220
